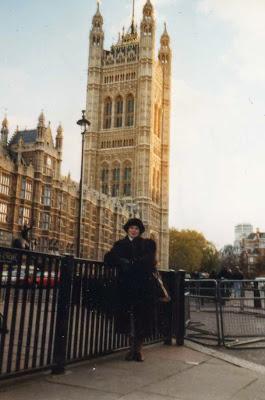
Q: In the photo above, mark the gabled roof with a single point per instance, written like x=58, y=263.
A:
x=28, y=136
x=253, y=235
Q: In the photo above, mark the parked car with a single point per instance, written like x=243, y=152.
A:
x=45, y=281
x=16, y=277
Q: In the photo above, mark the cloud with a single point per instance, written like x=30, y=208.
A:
x=216, y=162
x=246, y=55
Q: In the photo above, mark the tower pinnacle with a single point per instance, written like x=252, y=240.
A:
x=133, y=29
x=5, y=122
x=4, y=131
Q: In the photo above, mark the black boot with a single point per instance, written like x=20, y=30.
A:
x=138, y=355
x=131, y=353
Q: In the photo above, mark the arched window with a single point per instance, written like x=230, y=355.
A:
x=105, y=179
x=130, y=110
x=118, y=112
x=127, y=181
x=107, y=113
x=115, y=181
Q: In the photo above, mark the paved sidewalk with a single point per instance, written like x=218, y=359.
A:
x=168, y=373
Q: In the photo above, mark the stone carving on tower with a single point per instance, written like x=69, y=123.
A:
x=128, y=105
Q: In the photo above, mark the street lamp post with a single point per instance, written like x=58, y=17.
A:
x=84, y=124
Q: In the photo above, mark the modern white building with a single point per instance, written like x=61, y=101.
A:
x=242, y=231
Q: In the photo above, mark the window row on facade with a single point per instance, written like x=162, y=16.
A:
x=3, y=212
x=110, y=59
x=109, y=144
x=26, y=186
x=119, y=112
x=116, y=181
x=5, y=181
x=120, y=78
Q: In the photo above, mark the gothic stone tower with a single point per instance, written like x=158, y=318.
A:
x=128, y=105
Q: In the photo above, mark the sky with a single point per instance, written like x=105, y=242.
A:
x=217, y=163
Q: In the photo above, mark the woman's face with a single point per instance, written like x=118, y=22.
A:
x=133, y=231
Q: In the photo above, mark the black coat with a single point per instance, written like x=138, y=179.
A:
x=135, y=262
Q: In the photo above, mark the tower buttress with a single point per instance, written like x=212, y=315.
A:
x=165, y=50
x=59, y=140
x=144, y=108
x=147, y=34
x=59, y=147
x=96, y=50
x=96, y=39
x=165, y=57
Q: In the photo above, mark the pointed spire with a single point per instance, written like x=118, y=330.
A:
x=5, y=122
x=60, y=130
x=97, y=19
x=165, y=33
x=41, y=119
x=165, y=39
x=4, y=131
x=98, y=8
x=133, y=29
x=148, y=9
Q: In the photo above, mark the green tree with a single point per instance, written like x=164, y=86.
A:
x=189, y=250
x=210, y=260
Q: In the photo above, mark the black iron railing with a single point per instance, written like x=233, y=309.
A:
x=56, y=310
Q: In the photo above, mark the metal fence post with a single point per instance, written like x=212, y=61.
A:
x=256, y=292
x=170, y=281
x=180, y=308
x=62, y=321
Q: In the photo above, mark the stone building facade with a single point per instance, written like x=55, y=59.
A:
x=253, y=251
x=33, y=191
x=126, y=154
x=128, y=105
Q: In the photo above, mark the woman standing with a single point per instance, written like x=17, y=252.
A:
x=135, y=259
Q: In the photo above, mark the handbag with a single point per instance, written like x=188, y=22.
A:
x=161, y=291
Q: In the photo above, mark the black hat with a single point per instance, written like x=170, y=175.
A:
x=134, y=222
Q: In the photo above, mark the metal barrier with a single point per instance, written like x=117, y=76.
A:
x=226, y=312
x=243, y=313
x=202, y=310
x=58, y=310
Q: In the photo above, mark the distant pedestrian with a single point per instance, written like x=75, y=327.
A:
x=237, y=277
x=225, y=288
